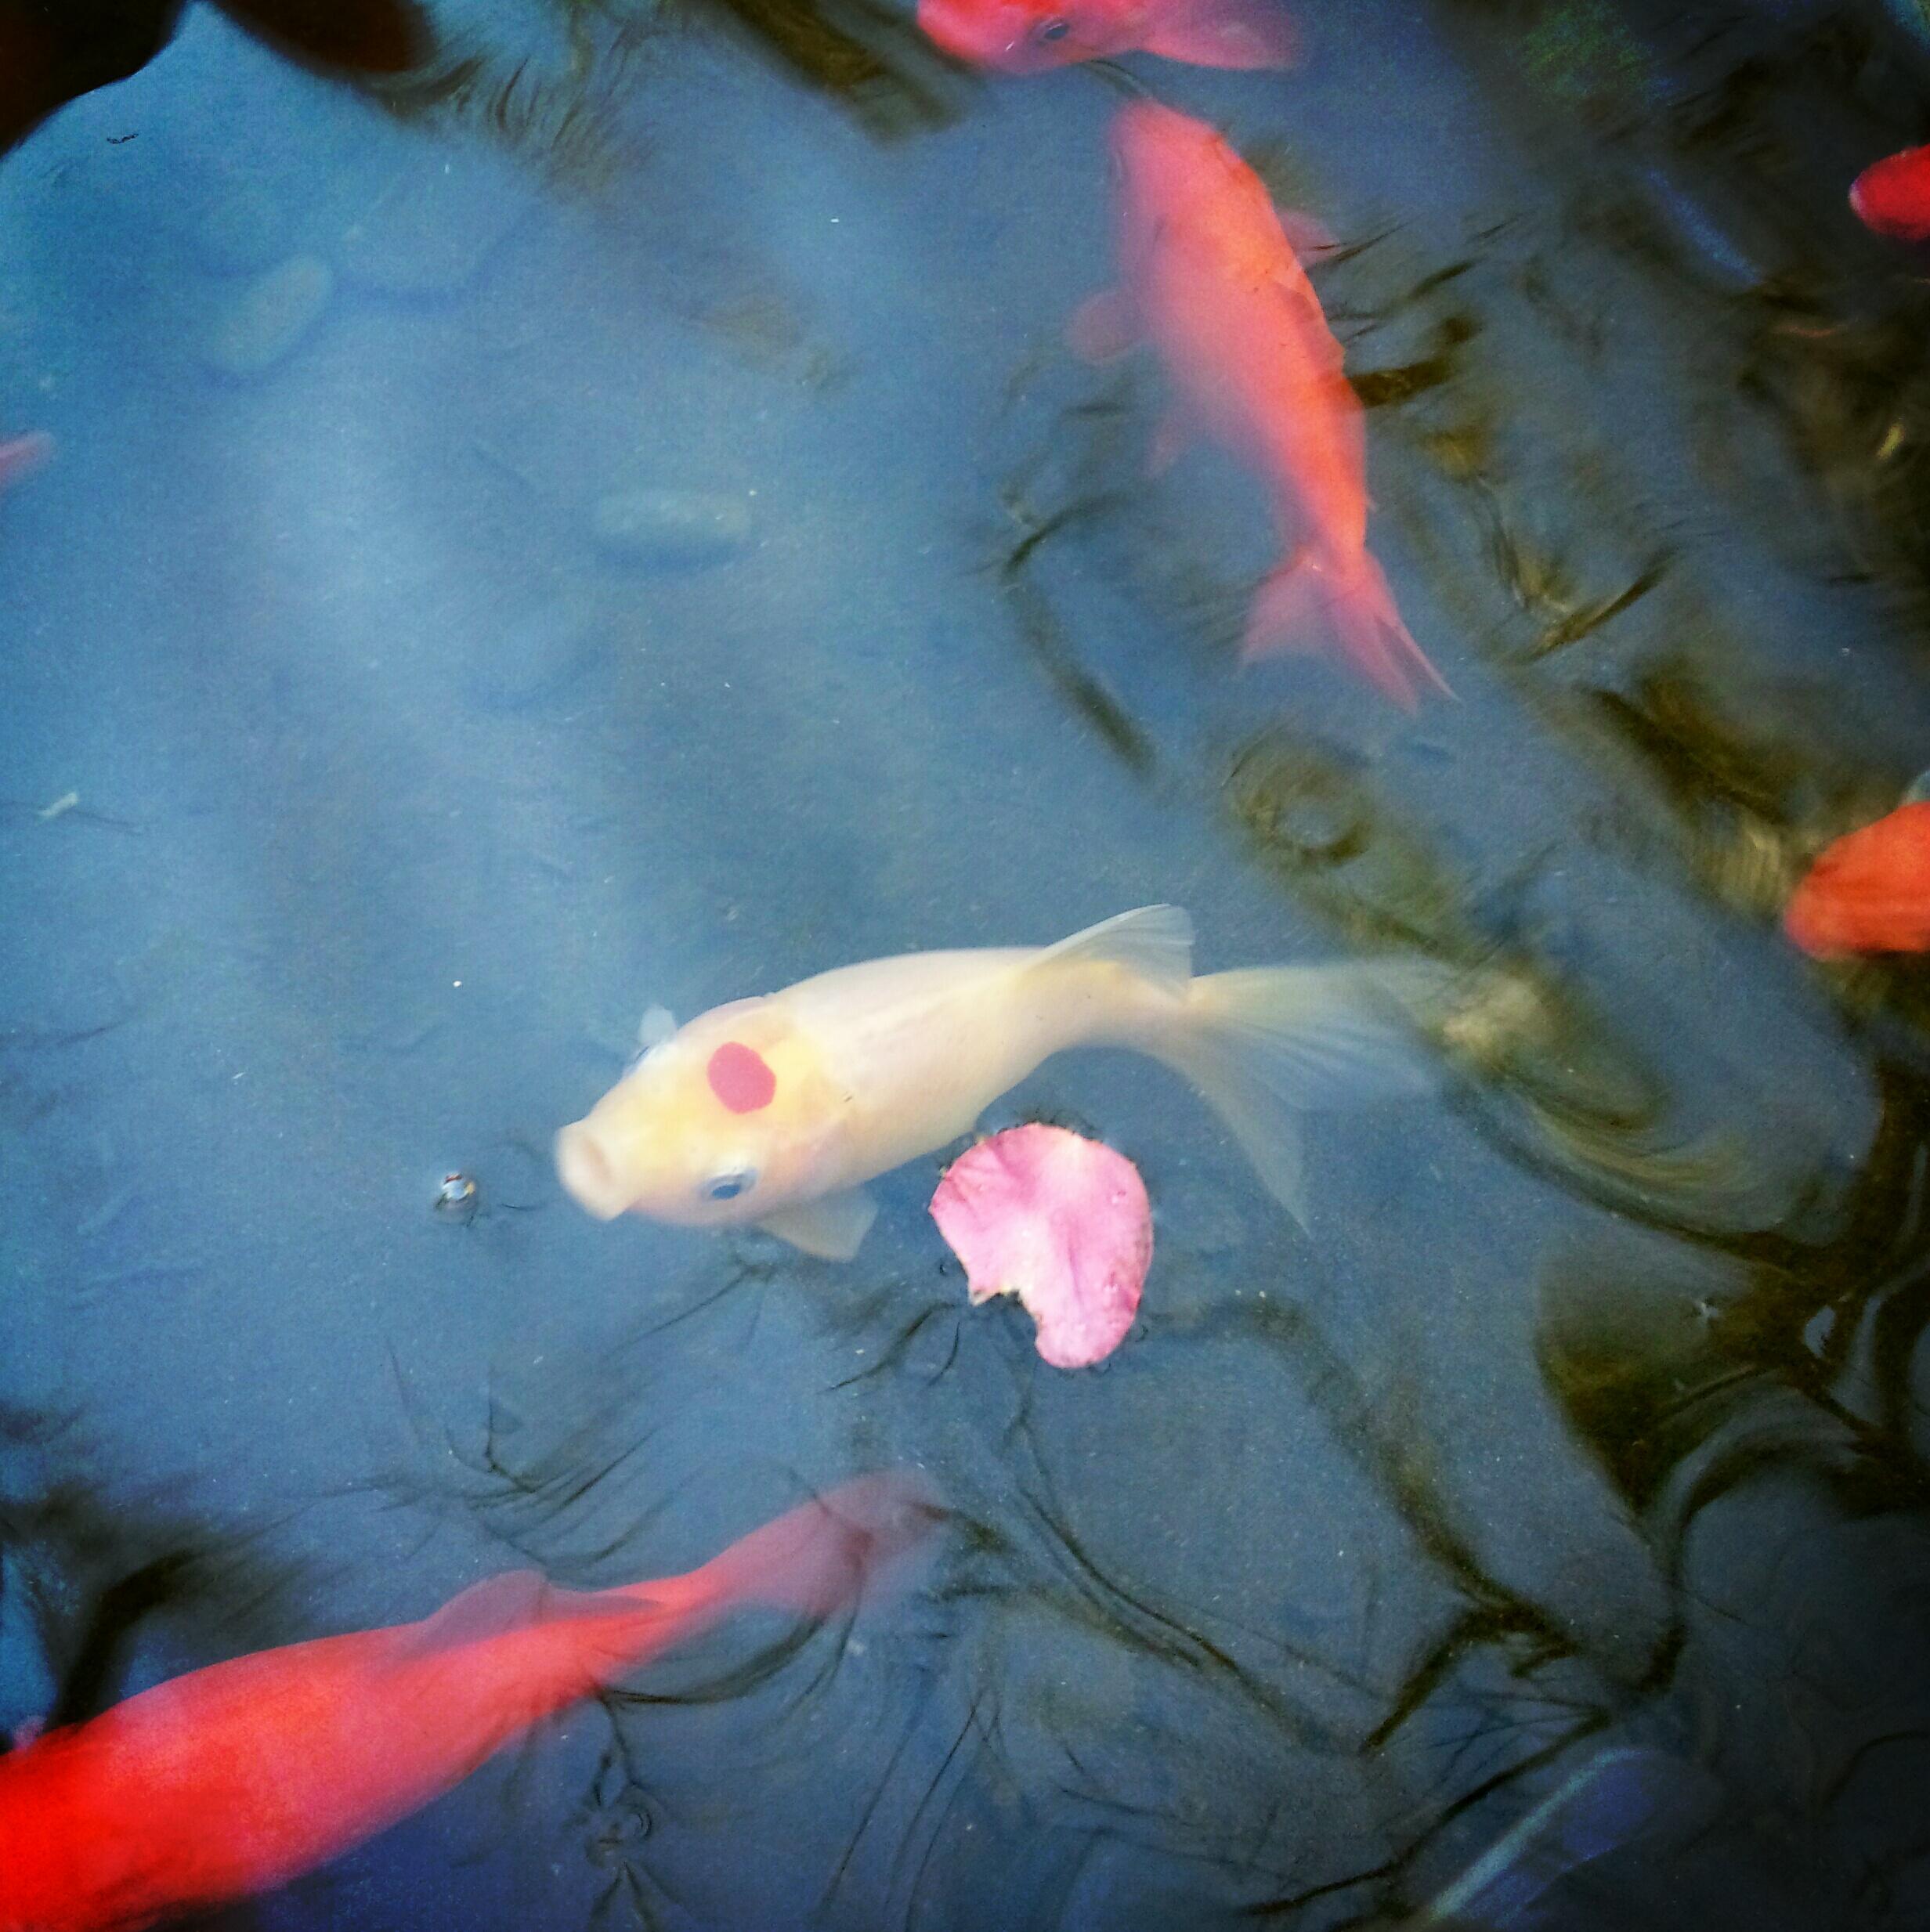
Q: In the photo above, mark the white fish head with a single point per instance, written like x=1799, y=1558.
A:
x=730, y=1118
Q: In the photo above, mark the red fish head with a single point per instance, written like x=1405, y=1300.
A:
x=1893, y=196
x=1869, y=892
x=1031, y=36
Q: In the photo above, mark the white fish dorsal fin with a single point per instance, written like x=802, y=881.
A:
x=1155, y=941
x=832, y=1227
x=658, y=1023
x=1917, y=791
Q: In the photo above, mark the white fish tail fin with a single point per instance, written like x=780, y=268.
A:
x=1266, y=1045
x=1155, y=941
x=832, y=1227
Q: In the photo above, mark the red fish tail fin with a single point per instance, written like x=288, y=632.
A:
x=1809, y=925
x=20, y=454
x=1315, y=598
x=817, y=1559
x=1224, y=33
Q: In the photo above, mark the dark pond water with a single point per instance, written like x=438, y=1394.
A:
x=611, y=520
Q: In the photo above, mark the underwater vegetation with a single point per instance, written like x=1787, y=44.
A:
x=617, y=506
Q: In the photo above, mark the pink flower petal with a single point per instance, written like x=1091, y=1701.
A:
x=1061, y=1221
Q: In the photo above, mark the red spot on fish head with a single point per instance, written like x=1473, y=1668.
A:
x=741, y=1077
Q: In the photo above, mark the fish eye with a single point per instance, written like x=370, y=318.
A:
x=728, y=1186
x=1057, y=28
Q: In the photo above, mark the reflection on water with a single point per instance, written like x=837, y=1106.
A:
x=606, y=518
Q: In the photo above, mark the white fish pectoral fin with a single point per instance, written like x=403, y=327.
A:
x=1155, y=941
x=832, y=1227
x=658, y=1023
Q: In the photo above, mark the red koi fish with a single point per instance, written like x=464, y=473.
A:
x=1029, y=36
x=233, y=1779
x=1209, y=276
x=1893, y=196
x=1869, y=892
x=19, y=454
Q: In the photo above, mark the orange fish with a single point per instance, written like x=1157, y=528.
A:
x=1209, y=277
x=1869, y=892
x=1029, y=36
x=238, y=1778
x=1893, y=196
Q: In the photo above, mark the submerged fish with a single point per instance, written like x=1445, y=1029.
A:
x=1893, y=196
x=1029, y=36
x=1209, y=276
x=1869, y=892
x=777, y=1110
x=234, y=1778
x=20, y=454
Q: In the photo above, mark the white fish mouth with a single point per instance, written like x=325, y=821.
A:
x=587, y=1171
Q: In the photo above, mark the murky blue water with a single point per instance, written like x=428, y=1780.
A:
x=1541, y=1534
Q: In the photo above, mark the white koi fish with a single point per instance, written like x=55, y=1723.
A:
x=777, y=1110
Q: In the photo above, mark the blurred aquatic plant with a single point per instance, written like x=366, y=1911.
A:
x=1067, y=474
x=1851, y=399
x=1582, y=53
x=1738, y=787
x=1234, y=1714
x=569, y=106
x=1509, y=474
x=1741, y=795
x=1052, y=649
x=1713, y=163
x=1543, y=1074
x=1377, y=388
x=1797, y=1352
x=1523, y=1693
x=97, y=1572
x=869, y=57
x=562, y=108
